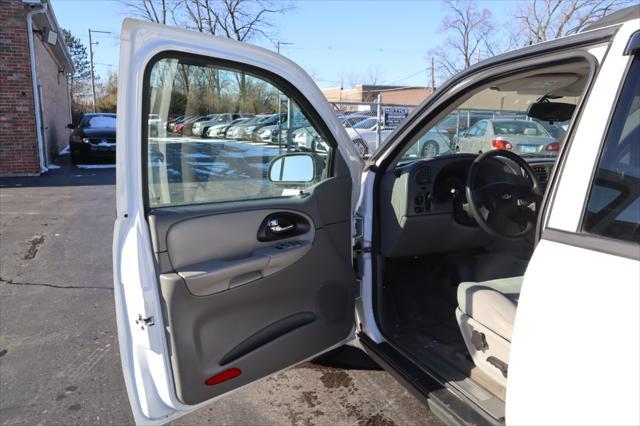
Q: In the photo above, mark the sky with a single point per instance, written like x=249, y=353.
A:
x=334, y=41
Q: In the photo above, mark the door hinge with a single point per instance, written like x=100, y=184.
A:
x=358, y=238
x=358, y=248
x=144, y=322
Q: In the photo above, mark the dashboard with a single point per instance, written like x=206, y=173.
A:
x=424, y=206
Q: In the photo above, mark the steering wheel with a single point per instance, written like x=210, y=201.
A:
x=506, y=209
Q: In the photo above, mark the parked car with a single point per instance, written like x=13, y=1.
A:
x=244, y=130
x=277, y=134
x=556, y=130
x=352, y=119
x=220, y=130
x=172, y=121
x=93, y=137
x=200, y=127
x=431, y=144
x=364, y=135
x=499, y=288
x=187, y=126
x=522, y=136
x=250, y=130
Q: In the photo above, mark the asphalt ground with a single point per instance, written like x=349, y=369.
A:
x=59, y=359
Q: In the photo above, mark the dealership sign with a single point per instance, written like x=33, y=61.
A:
x=393, y=116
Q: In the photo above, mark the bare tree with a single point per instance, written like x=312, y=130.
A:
x=152, y=10
x=469, y=40
x=241, y=20
x=541, y=20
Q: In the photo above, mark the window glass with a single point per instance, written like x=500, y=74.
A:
x=499, y=112
x=482, y=128
x=197, y=154
x=513, y=127
x=473, y=131
x=367, y=123
x=613, y=209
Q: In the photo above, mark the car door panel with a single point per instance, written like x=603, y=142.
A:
x=232, y=301
x=211, y=293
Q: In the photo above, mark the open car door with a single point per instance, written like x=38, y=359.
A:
x=232, y=257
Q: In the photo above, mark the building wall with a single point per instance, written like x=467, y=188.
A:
x=54, y=89
x=413, y=96
x=18, y=142
x=369, y=93
x=336, y=94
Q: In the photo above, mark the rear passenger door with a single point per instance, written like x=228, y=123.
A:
x=576, y=345
x=232, y=259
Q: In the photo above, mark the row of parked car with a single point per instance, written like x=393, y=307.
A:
x=465, y=131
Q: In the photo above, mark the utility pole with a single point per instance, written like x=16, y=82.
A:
x=93, y=80
x=433, y=74
x=281, y=43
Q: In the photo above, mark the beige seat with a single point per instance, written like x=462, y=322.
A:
x=486, y=313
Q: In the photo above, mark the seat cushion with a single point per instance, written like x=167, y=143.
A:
x=492, y=303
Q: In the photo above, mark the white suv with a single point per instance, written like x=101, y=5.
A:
x=498, y=287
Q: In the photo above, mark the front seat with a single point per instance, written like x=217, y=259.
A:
x=486, y=313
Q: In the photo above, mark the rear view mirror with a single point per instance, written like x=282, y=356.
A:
x=551, y=111
x=292, y=168
x=70, y=126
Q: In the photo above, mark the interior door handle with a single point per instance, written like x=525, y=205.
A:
x=281, y=225
x=276, y=228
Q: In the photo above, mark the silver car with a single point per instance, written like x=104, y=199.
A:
x=519, y=136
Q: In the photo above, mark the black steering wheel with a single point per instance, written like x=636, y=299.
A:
x=509, y=208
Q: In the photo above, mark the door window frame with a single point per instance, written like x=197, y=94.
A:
x=275, y=80
x=594, y=241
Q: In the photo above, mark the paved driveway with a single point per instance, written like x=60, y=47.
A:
x=59, y=360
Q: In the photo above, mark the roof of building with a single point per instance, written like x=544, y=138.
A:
x=48, y=20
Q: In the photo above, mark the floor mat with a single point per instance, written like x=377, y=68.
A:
x=420, y=301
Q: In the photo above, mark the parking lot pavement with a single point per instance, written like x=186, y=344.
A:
x=59, y=359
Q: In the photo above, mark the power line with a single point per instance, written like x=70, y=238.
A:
x=408, y=77
x=357, y=49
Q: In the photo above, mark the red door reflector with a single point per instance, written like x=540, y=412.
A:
x=223, y=377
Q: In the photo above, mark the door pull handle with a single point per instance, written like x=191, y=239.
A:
x=274, y=226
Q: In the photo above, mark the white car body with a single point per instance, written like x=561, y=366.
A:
x=367, y=134
x=576, y=346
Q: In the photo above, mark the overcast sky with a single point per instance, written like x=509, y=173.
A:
x=332, y=40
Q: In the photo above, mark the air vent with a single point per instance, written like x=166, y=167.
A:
x=423, y=176
x=542, y=173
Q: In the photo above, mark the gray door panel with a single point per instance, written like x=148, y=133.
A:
x=234, y=302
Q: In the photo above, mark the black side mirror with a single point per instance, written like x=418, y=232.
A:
x=70, y=126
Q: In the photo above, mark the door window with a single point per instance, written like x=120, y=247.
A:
x=473, y=131
x=187, y=164
x=613, y=209
x=482, y=128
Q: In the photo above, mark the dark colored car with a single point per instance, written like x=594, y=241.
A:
x=93, y=137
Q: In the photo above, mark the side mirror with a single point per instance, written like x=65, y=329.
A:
x=292, y=168
x=70, y=126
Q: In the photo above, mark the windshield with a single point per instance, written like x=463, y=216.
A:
x=496, y=118
x=99, y=121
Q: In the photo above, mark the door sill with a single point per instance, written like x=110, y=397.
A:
x=448, y=404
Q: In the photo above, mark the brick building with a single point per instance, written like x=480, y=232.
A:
x=369, y=93
x=33, y=61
